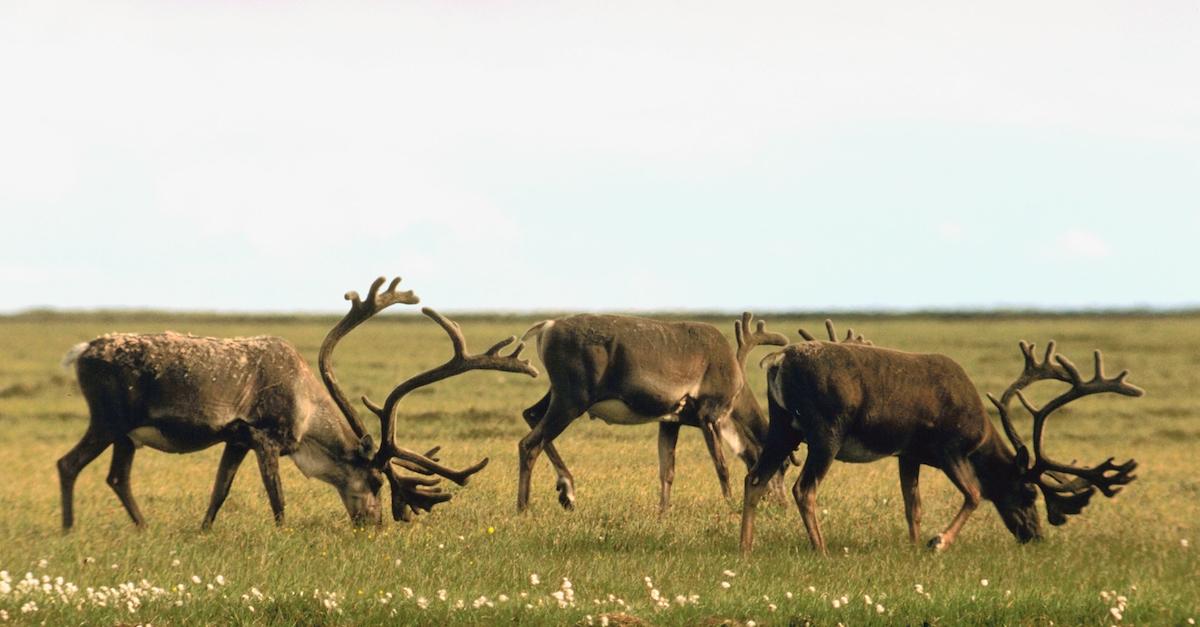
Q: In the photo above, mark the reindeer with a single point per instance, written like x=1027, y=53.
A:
x=858, y=403
x=180, y=393
x=628, y=370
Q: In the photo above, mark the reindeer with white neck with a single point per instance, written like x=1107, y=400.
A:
x=179, y=394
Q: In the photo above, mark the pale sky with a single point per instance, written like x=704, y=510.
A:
x=268, y=156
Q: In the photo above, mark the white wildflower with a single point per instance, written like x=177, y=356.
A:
x=534, y=579
x=422, y=602
x=42, y=563
x=728, y=573
x=879, y=609
x=442, y=594
x=787, y=594
x=220, y=580
x=983, y=582
x=195, y=579
x=725, y=585
x=837, y=603
x=175, y=562
x=919, y=589
x=1116, y=613
x=503, y=598
x=771, y=606
x=1183, y=543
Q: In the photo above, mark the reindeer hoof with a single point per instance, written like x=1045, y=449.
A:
x=937, y=544
x=566, y=495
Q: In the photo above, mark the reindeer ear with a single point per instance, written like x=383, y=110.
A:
x=366, y=447
x=1023, y=461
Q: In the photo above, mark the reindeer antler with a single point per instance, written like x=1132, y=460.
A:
x=850, y=338
x=391, y=455
x=360, y=311
x=748, y=340
x=1063, y=496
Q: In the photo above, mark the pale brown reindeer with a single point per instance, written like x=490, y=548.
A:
x=179, y=393
x=857, y=403
x=628, y=370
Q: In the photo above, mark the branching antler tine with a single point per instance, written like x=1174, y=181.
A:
x=1027, y=352
x=1099, y=360
x=1029, y=406
x=761, y=327
x=370, y=404
x=806, y=335
x=373, y=293
x=1011, y=431
x=1049, y=358
x=1126, y=388
x=495, y=349
x=451, y=328
x=1072, y=370
x=829, y=329
x=411, y=495
x=457, y=476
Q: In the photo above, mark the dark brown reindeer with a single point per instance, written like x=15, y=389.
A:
x=179, y=393
x=859, y=403
x=628, y=370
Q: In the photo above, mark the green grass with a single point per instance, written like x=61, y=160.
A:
x=1130, y=545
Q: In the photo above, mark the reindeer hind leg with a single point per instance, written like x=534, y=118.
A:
x=118, y=478
x=90, y=446
x=566, y=481
x=560, y=412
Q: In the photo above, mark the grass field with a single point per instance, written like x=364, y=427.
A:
x=473, y=559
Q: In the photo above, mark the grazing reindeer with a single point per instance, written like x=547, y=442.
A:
x=179, y=393
x=860, y=403
x=626, y=370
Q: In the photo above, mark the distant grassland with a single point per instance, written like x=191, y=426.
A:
x=317, y=570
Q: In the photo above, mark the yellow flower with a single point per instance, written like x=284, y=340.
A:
x=491, y=530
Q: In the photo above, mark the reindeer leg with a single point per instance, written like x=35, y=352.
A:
x=268, y=464
x=93, y=443
x=267, y=451
x=566, y=482
x=910, y=470
x=708, y=422
x=820, y=457
x=960, y=473
x=779, y=445
x=118, y=477
x=559, y=413
x=231, y=459
x=668, y=437
x=761, y=477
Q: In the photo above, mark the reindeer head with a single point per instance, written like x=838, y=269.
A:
x=371, y=467
x=1067, y=489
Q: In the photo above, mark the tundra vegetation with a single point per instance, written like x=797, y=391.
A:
x=1130, y=559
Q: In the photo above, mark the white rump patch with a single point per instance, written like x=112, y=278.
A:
x=775, y=388
x=731, y=437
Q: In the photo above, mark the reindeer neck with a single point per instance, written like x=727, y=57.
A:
x=993, y=463
x=328, y=442
x=748, y=413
